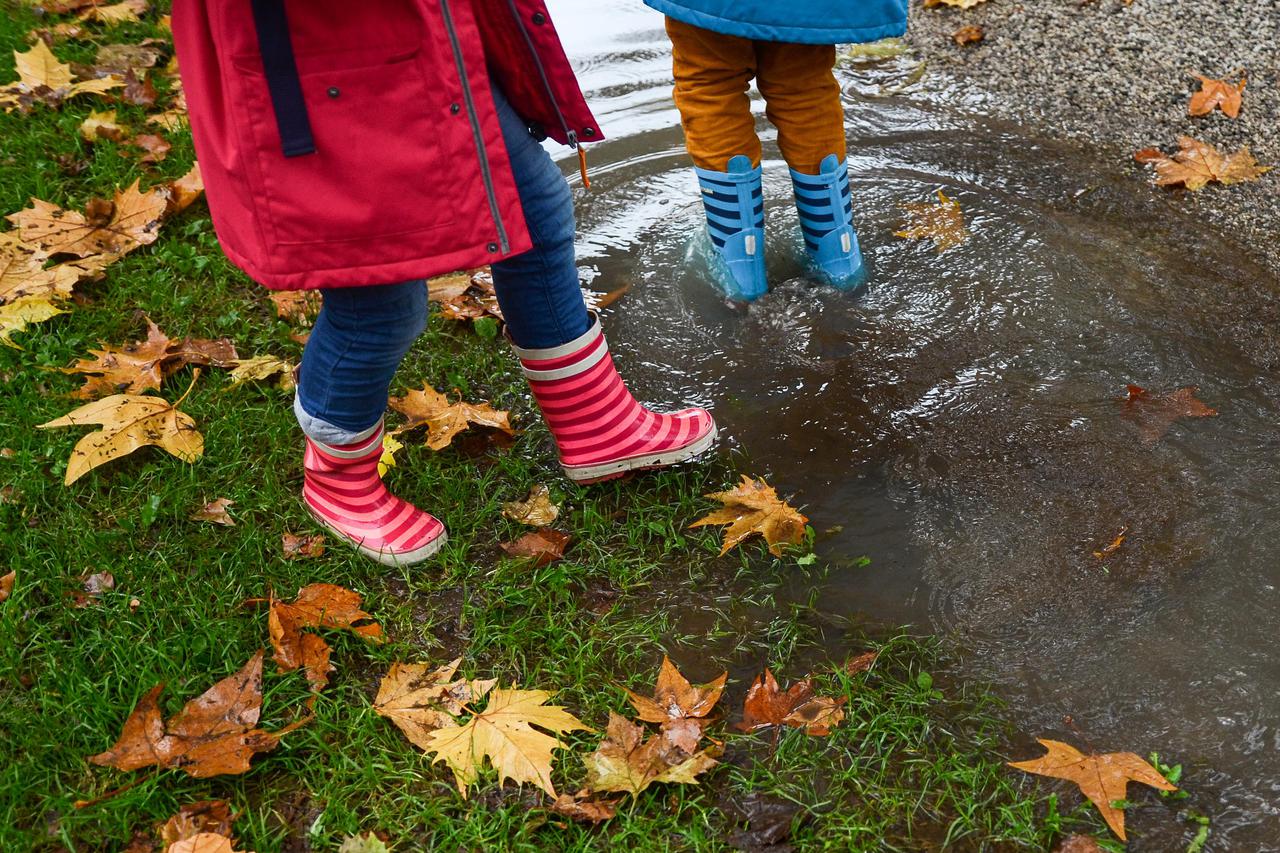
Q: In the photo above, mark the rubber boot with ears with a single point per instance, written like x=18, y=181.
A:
x=345, y=494
x=599, y=428
x=825, y=205
x=734, y=204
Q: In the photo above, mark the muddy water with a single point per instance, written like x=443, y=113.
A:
x=960, y=423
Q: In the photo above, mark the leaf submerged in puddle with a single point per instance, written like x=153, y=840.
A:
x=943, y=223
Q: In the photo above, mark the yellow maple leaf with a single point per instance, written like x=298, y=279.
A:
x=129, y=421
x=22, y=312
x=125, y=12
x=42, y=76
x=262, y=367
x=503, y=733
x=1102, y=778
x=536, y=510
x=420, y=700
x=443, y=419
x=752, y=508
x=943, y=223
x=101, y=125
x=23, y=271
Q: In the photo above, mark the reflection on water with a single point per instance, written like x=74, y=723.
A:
x=960, y=422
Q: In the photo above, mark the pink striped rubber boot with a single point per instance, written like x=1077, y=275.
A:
x=600, y=429
x=345, y=494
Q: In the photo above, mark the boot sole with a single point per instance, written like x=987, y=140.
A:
x=392, y=559
x=585, y=475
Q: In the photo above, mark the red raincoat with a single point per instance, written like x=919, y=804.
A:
x=356, y=142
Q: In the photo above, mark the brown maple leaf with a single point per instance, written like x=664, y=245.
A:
x=971, y=34
x=465, y=295
x=143, y=365
x=585, y=807
x=767, y=706
x=861, y=663
x=419, y=699
x=1102, y=778
x=215, y=512
x=111, y=228
x=298, y=306
x=1197, y=164
x=319, y=605
x=121, y=58
x=443, y=419
x=195, y=818
x=297, y=546
x=23, y=271
x=1156, y=414
x=681, y=708
x=185, y=190
x=213, y=734
x=205, y=842
x=943, y=223
x=627, y=762
x=543, y=546
x=154, y=148
x=751, y=508
x=1217, y=94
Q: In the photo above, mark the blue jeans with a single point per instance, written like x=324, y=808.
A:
x=362, y=333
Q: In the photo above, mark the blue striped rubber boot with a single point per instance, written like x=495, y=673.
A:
x=734, y=202
x=825, y=206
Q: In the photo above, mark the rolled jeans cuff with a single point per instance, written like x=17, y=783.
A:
x=326, y=433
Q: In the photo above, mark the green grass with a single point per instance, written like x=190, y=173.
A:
x=913, y=768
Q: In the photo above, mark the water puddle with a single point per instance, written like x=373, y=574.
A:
x=961, y=423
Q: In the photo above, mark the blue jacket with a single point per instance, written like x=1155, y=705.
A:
x=802, y=21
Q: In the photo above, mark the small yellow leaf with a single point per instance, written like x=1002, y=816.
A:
x=101, y=125
x=536, y=510
x=17, y=315
x=388, y=459
x=260, y=368
x=943, y=223
x=443, y=419
x=753, y=507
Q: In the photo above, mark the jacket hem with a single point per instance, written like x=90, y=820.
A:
x=779, y=33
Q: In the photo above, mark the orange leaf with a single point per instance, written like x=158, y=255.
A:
x=753, y=507
x=319, y=605
x=443, y=419
x=674, y=698
x=1217, y=94
x=1197, y=164
x=766, y=705
x=544, y=546
x=1157, y=413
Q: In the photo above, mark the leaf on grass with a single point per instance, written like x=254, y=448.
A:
x=1157, y=413
x=185, y=190
x=1078, y=844
x=319, y=605
x=752, y=508
x=543, y=546
x=23, y=271
x=213, y=734
x=443, y=419
x=125, y=12
x=419, y=700
x=366, y=843
x=127, y=369
x=585, y=807
x=93, y=586
x=1197, y=164
x=298, y=546
x=503, y=734
x=971, y=34
x=154, y=148
x=681, y=708
x=943, y=223
x=767, y=705
x=536, y=510
x=43, y=78
x=1217, y=94
x=122, y=58
x=215, y=512
x=101, y=125
x=17, y=315
x=6, y=585
x=298, y=306
x=465, y=295
x=627, y=762
x=861, y=663
x=111, y=228
x=1101, y=778
x=206, y=816
x=260, y=368
x=128, y=422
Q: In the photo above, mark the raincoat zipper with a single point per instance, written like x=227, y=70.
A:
x=542, y=74
x=485, y=173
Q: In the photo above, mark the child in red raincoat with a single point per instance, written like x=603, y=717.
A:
x=360, y=148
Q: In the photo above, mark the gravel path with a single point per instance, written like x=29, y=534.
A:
x=1119, y=77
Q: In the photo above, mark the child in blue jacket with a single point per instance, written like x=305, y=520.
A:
x=718, y=46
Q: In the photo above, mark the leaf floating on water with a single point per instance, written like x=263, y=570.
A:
x=536, y=510
x=1217, y=94
x=751, y=508
x=882, y=49
x=1114, y=545
x=768, y=706
x=861, y=663
x=943, y=223
x=1197, y=164
x=1101, y=778
x=1156, y=414
x=443, y=419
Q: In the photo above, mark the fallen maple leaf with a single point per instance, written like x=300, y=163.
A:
x=503, y=733
x=101, y=125
x=6, y=585
x=296, y=546
x=110, y=228
x=185, y=190
x=767, y=706
x=1197, y=164
x=861, y=663
x=536, y=510
x=126, y=11
x=300, y=306
x=419, y=700
x=1102, y=778
x=465, y=295
x=625, y=761
x=971, y=34
x=212, y=735
x=120, y=58
x=319, y=605
x=215, y=512
x=42, y=77
x=943, y=223
x=1157, y=413
x=262, y=367
x=1217, y=94
x=129, y=422
x=22, y=312
x=154, y=148
x=585, y=808
x=681, y=708
x=205, y=842
x=128, y=369
x=543, y=546
x=753, y=507
x=23, y=271
x=443, y=419
x=206, y=816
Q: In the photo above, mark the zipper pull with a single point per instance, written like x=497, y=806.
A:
x=582, y=156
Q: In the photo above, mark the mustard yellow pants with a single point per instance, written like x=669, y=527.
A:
x=802, y=98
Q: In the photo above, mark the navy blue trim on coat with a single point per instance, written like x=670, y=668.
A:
x=281, y=70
